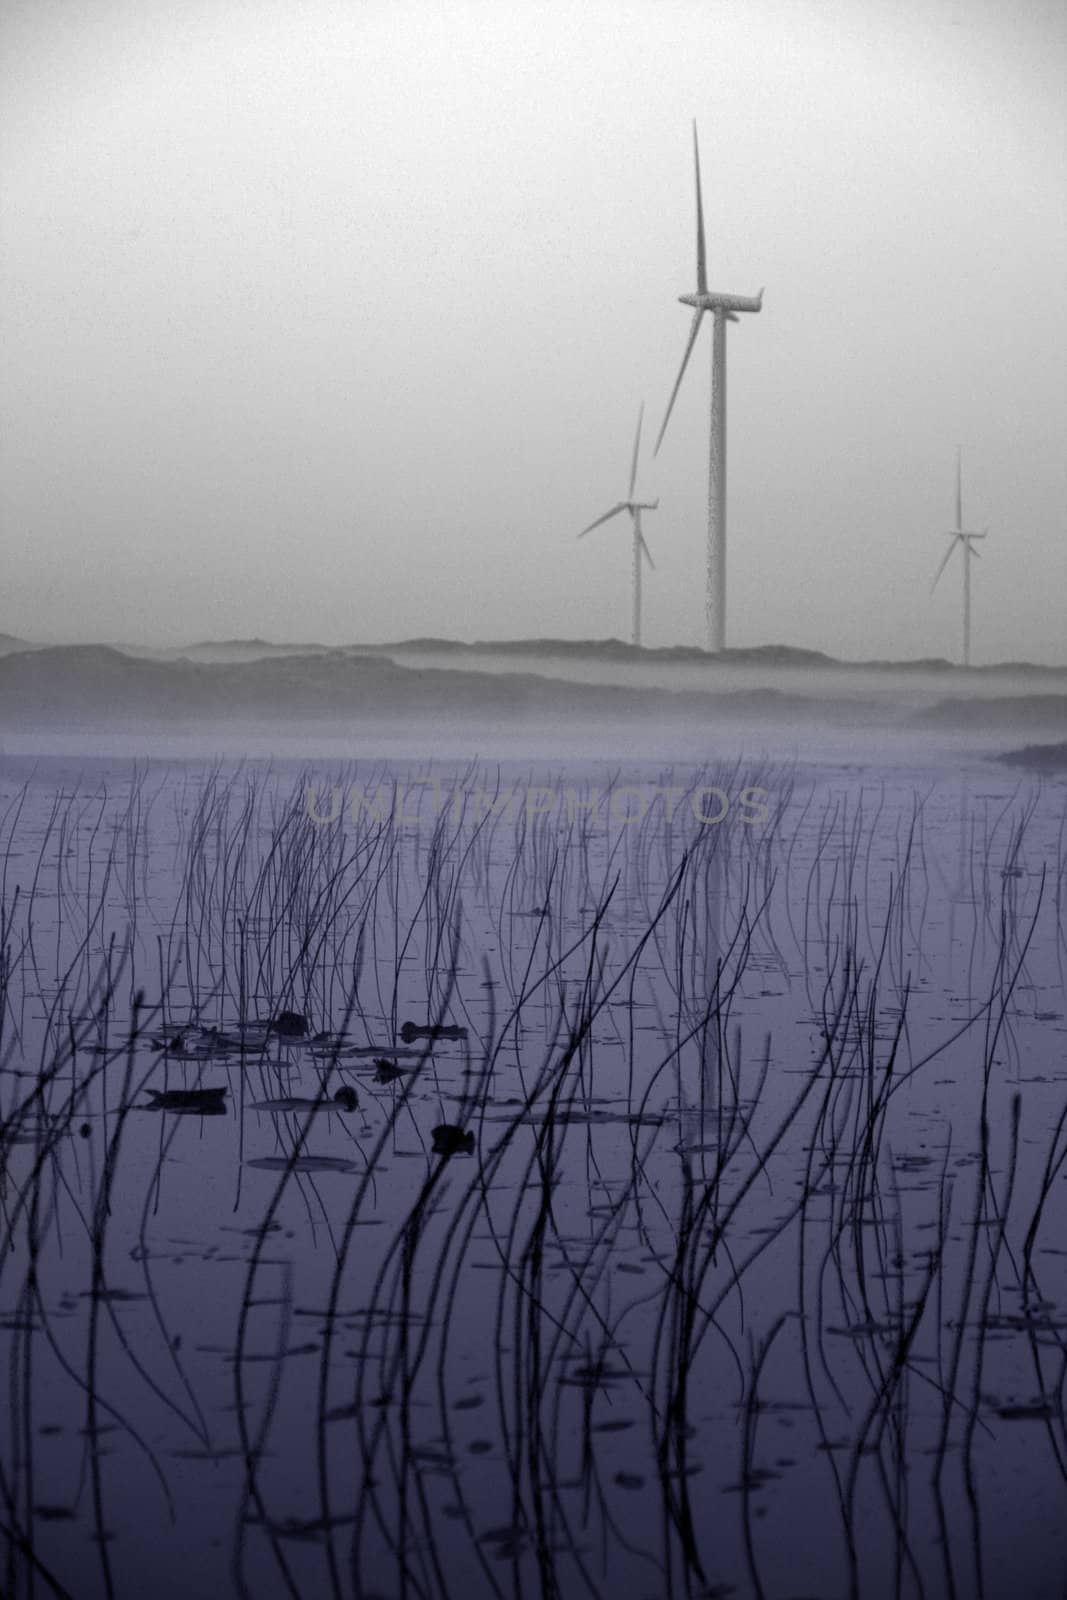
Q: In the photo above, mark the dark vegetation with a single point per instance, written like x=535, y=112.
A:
x=702, y=1236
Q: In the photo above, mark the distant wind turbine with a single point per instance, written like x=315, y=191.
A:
x=640, y=548
x=724, y=309
x=960, y=537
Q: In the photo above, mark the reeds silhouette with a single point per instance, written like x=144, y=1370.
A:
x=534, y=1201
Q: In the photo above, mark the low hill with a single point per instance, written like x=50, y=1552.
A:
x=1048, y=758
x=78, y=683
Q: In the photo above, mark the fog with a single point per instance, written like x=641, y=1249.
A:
x=331, y=322
x=432, y=704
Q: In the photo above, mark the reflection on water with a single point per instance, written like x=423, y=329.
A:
x=548, y=1199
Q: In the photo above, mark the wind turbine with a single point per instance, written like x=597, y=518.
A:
x=960, y=537
x=724, y=309
x=640, y=548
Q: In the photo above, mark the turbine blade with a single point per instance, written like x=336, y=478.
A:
x=637, y=446
x=694, y=330
x=647, y=552
x=944, y=563
x=959, y=489
x=702, y=270
x=605, y=518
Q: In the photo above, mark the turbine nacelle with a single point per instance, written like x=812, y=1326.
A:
x=958, y=538
x=703, y=301
x=632, y=506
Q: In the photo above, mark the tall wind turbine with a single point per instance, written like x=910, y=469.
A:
x=959, y=538
x=724, y=309
x=640, y=548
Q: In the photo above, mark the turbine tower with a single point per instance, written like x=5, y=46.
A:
x=640, y=548
x=724, y=308
x=960, y=537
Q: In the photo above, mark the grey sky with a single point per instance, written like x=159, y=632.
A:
x=332, y=321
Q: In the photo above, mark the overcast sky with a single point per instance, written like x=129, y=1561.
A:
x=331, y=321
